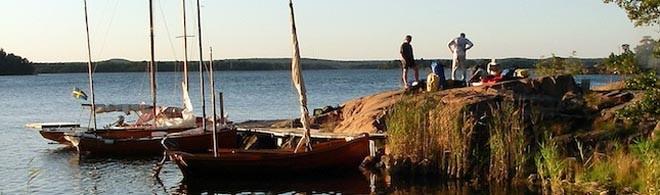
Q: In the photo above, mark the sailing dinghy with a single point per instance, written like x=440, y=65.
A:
x=180, y=126
x=305, y=158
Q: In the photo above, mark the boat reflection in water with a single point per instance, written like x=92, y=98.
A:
x=347, y=183
x=352, y=183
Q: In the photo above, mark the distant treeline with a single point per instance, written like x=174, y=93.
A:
x=11, y=64
x=120, y=65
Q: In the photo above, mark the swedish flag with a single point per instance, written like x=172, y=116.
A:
x=79, y=94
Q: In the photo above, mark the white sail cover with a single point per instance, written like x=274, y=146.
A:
x=168, y=117
x=187, y=119
x=125, y=108
x=299, y=83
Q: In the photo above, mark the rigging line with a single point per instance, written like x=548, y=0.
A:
x=167, y=30
x=169, y=38
x=107, y=31
x=104, y=12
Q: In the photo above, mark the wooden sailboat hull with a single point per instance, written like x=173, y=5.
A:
x=330, y=157
x=57, y=134
x=147, y=146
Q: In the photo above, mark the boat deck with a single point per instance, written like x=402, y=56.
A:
x=297, y=132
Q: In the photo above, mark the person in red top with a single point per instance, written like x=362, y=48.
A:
x=407, y=61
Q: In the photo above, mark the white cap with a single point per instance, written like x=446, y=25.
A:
x=492, y=63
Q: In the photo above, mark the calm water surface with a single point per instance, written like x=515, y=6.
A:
x=30, y=165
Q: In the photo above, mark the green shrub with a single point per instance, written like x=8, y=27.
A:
x=647, y=107
x=643, y=81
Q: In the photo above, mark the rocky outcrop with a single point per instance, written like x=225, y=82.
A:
x=487, y=132
x=367, y=114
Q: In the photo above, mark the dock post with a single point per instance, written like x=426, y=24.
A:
x=222, y=108
x=585, y=85
x=372, y=148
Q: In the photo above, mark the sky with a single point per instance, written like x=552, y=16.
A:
x=54, y=30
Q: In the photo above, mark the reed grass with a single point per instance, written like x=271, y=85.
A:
x=408, y=132
x=423, y=127
x=454, y=128
x=507, y=142
x=550, y=166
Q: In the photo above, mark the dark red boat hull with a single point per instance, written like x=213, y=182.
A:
x=57, y=134
x=152, y=145
x=329, y=157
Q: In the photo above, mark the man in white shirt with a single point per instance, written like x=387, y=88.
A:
x=458, y=48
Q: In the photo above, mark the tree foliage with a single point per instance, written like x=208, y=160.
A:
x=643, y=81
x=624, y=63
x=558, y=66
x=648, y=52
x=11, y=64
x=648, y=107
x=641, y=12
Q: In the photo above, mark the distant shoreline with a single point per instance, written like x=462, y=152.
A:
x=261, y=64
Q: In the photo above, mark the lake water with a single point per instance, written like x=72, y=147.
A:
x=30, y=165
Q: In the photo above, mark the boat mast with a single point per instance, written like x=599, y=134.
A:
x=185, y=46
x=215, y=128
x=201, y=64
x=299, y=83
x=90, y=68
x=152, y=64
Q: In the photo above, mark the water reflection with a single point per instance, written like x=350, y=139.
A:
x=103, y=175
x=387, y=185
x=358, y=183
x=342, y=184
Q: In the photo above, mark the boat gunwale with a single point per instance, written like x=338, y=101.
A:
x=269, y=154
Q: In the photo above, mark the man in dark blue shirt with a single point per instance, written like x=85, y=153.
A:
x=408, y=61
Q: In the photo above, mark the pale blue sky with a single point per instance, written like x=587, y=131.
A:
x=53, y=30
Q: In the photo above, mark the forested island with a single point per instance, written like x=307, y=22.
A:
x=122, y=65
x=11, y=64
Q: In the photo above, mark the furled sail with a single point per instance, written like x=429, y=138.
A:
x=299, y=83
x=125, y=108
x=168, y=117
x=187, y=119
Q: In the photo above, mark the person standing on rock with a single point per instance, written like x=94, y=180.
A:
x=458, y=48
x=407, y=61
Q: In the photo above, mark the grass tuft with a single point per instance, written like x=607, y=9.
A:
x=549, y=165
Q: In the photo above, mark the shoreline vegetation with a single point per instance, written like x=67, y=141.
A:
x=260, y=64
x=553, y=136
x=546, y=134
x=11, y=64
